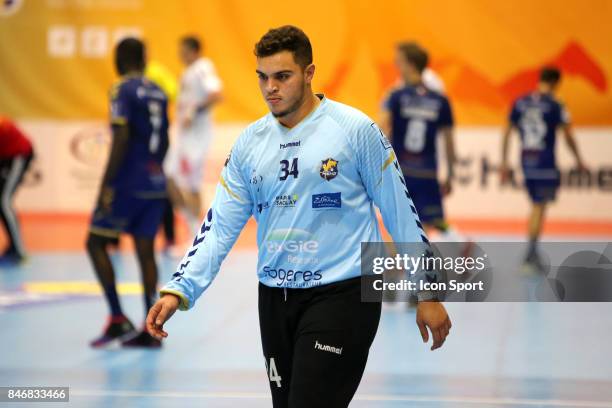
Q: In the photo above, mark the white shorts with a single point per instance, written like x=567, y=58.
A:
x=185, y=161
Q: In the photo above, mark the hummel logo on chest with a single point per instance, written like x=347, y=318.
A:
x=324, y=347
x=290, y=144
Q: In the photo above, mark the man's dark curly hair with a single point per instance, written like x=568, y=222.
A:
x=286, y=38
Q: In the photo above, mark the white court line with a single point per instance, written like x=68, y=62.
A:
x=358, y=397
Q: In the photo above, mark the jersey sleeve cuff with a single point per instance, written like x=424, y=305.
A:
x=119, y=121
x=184, y=302
x=426, y=295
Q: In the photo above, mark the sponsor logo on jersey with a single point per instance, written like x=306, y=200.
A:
x=293, y=277
x=290, y=144
x=144, y=92
x=296, y=260
x=383, y=139
x=262, y=206
x=326, y=200
x=291, y=241
x=286, y=200
x=329, y=168
x=256, y=180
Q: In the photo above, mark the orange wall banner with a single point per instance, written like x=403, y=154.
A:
x=56, y=55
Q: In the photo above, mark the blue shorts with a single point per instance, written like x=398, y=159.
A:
x=542, y=190
x=136, y=216
x=425, y=194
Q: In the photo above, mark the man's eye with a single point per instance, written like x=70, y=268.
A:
x=282, y=77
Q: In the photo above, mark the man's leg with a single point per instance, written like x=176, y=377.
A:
x=334, y=336
x=168, y=223
x=143, y=227
x=98, y=254
x=541, y=192
x=194, y=208
x=118, y=325
x=13, y=170
x=536, y=220
x=148, y=269
x=277, y=337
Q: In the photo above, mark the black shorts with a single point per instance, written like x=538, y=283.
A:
x=426, y=196
x=316, y=342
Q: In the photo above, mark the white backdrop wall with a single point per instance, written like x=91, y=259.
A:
x=70, y=157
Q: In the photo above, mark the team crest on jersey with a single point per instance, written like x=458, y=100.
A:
x=329, y=168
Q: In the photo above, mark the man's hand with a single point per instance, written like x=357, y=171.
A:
x=190, y=113
x=504, y=173
x=159, y=314
x=581, y=167
x=446, y=188
x=433, y=315
x=105, y=199
x=187, y=121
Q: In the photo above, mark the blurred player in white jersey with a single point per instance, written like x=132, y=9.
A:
x=200, y=90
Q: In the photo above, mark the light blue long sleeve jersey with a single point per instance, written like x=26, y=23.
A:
x=312, y=190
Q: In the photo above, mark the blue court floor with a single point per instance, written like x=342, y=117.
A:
x=498, y=354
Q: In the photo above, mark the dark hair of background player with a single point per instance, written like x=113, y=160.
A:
x=414, y=54
x=130, y=56
x=192, y=42
x=286, y=38
x=550, y=75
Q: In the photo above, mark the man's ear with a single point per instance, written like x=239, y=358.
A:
x=309, y=73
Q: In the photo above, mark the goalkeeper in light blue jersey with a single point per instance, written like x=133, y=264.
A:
x=310, y=173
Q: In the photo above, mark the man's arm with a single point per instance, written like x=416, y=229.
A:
x=212, y=86
x=568, y=133
x=451, y=158
x=385, y=185
x=207, y=103
x=229, y=212
x=385, y=116
x=115, y=160
x=384, y=122
x=513, y=122
x=573, y=146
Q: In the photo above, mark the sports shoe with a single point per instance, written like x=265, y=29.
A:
x=143, y=340
x=117, y=329
x=12, y=258
x=532, y=266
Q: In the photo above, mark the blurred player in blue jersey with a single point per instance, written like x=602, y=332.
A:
x=310, y=173
x=537, y=116
x=413, y=116
x=133, y=191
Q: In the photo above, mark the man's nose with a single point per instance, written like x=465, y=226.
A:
x=271, y=86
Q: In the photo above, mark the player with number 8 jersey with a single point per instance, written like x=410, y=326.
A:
x=414, y=116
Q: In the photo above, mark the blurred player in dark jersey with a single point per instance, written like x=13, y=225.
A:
x=164, y=78
x=537, y=116
x=133, y=191
x=16, y=153
x=413, y=116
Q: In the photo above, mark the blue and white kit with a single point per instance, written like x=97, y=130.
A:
x=537, y=117
x=312, y=190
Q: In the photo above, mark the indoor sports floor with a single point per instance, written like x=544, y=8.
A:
x=498, y=354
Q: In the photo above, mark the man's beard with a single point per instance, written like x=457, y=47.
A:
x=291, y=109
